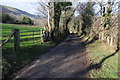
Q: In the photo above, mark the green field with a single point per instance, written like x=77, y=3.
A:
x=30, y=47
x=7, y=30
x=96, y=52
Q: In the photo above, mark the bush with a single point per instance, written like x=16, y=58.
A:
x=5, y=18
x=17, y=22
x=27, y=20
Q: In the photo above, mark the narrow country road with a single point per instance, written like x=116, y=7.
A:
x=67, y=60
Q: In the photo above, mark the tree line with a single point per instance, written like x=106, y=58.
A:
x=58, y=14
x=102, y=24
x=99, y=24
x=6, y=18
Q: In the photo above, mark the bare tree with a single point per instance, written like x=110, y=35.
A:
x=42, y=9
x=46, y=9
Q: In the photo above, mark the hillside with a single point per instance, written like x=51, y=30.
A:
x=16, y=12
x=19, y=14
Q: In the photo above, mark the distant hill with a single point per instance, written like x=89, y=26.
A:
x=19, y=14
x=16, y=12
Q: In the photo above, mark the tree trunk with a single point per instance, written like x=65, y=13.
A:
x=49, y=20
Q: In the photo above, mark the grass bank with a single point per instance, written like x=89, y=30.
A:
x=98, y=51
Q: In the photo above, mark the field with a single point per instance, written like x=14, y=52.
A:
x=98, y=51
x=30, y=47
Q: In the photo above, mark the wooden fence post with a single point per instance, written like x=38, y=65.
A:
x=42, y=33
x=111, y=41
x=33, y=37
x=108, y=40
x=16, y=39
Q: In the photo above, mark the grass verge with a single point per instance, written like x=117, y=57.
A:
x=96, y=52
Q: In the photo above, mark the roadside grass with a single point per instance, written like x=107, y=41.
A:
x=30, y=48
x=96, y=52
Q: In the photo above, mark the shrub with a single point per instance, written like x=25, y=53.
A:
x=17, y=22
x=27, y=20
x=5, y=18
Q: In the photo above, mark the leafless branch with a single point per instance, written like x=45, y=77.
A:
x=42, y=8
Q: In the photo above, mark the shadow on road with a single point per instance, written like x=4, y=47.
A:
x=61, y=62
x=94, y=66
x=67, y=60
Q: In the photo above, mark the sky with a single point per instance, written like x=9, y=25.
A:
x=25, y=5
x=29, y=5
